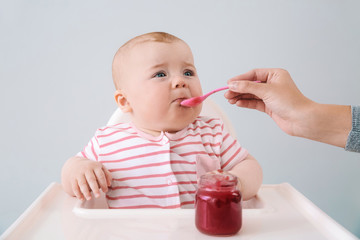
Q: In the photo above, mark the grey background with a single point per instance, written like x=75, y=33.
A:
x=56, y=87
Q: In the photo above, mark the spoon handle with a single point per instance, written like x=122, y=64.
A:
x=216, y=90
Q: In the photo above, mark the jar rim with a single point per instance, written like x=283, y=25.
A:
x=219, y=181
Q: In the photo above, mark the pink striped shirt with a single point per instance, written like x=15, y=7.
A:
x=162, y=171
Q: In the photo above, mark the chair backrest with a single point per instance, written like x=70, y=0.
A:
x=210, y=108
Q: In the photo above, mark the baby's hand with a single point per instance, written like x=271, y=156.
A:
x=81, y=175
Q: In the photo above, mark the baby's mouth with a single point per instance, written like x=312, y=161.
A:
x=179, y=100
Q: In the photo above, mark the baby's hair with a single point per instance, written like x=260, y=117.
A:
x=147, y=37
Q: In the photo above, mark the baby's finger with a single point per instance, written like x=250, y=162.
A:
x=76, y=190
x=108, y=176
x=93, y=183
x=84, y=187
x=101, y=179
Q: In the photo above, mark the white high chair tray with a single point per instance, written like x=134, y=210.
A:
x=97, y=208
x=279, y=212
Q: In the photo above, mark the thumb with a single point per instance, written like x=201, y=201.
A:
x=248, y=87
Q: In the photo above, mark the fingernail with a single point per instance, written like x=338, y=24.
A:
x=233, y=85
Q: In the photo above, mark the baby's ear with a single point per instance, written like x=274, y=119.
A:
x=122, y=102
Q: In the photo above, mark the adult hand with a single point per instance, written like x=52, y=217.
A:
x=277, y=95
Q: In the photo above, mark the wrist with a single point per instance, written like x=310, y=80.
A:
x=325, y=123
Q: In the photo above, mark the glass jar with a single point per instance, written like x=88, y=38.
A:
x=218, y=208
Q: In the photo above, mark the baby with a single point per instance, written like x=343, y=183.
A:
x=157, y=158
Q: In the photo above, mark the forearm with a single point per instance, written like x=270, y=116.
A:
x=325, y=123
x=250, y=177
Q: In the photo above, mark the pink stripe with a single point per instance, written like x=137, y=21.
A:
x=112, y=133
x=118, y=140
x=211, y=119
x=116, y=126
x=202, y=127
x=187, y=192
x=187, y=203
x=198, y=134
x=154, y=186
x=224, y=152
x=138, y=156
x=154, y=175
x=232, y=157
x=208, y=121
x=195, y=143
x=227, y=135
x=196, y=153
x=186, y=182
x=129, y=148
x=182, y=162
x=83, y=153
x=151, y=196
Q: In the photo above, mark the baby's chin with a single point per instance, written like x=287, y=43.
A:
x=179, y=120
x=173, y=128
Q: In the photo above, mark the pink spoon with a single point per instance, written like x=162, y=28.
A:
x=192, y=102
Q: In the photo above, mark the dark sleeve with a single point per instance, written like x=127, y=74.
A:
x=353, y=141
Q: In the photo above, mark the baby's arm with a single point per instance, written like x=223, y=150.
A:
x=79, y=176
x=249, y=175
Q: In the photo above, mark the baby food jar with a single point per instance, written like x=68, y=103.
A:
x=218, y=205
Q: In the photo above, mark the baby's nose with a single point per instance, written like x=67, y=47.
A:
x=179, y=82
x=179, y=85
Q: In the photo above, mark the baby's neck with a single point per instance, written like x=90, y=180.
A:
x=152, y=132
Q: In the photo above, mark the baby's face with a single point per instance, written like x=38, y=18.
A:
x=157, y=77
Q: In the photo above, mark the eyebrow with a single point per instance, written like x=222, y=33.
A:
x=157, y=66
x=163, y=64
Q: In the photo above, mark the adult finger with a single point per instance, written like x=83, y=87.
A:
x=251, y=104
x=247, y=87
x=258, y=74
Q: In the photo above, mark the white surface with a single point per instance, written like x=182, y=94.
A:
x=97, y=208
x=283, y=214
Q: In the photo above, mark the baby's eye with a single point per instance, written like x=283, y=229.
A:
x=188, y=73
x=160, y=75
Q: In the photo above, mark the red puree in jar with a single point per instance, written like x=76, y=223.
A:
x=218, y=205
